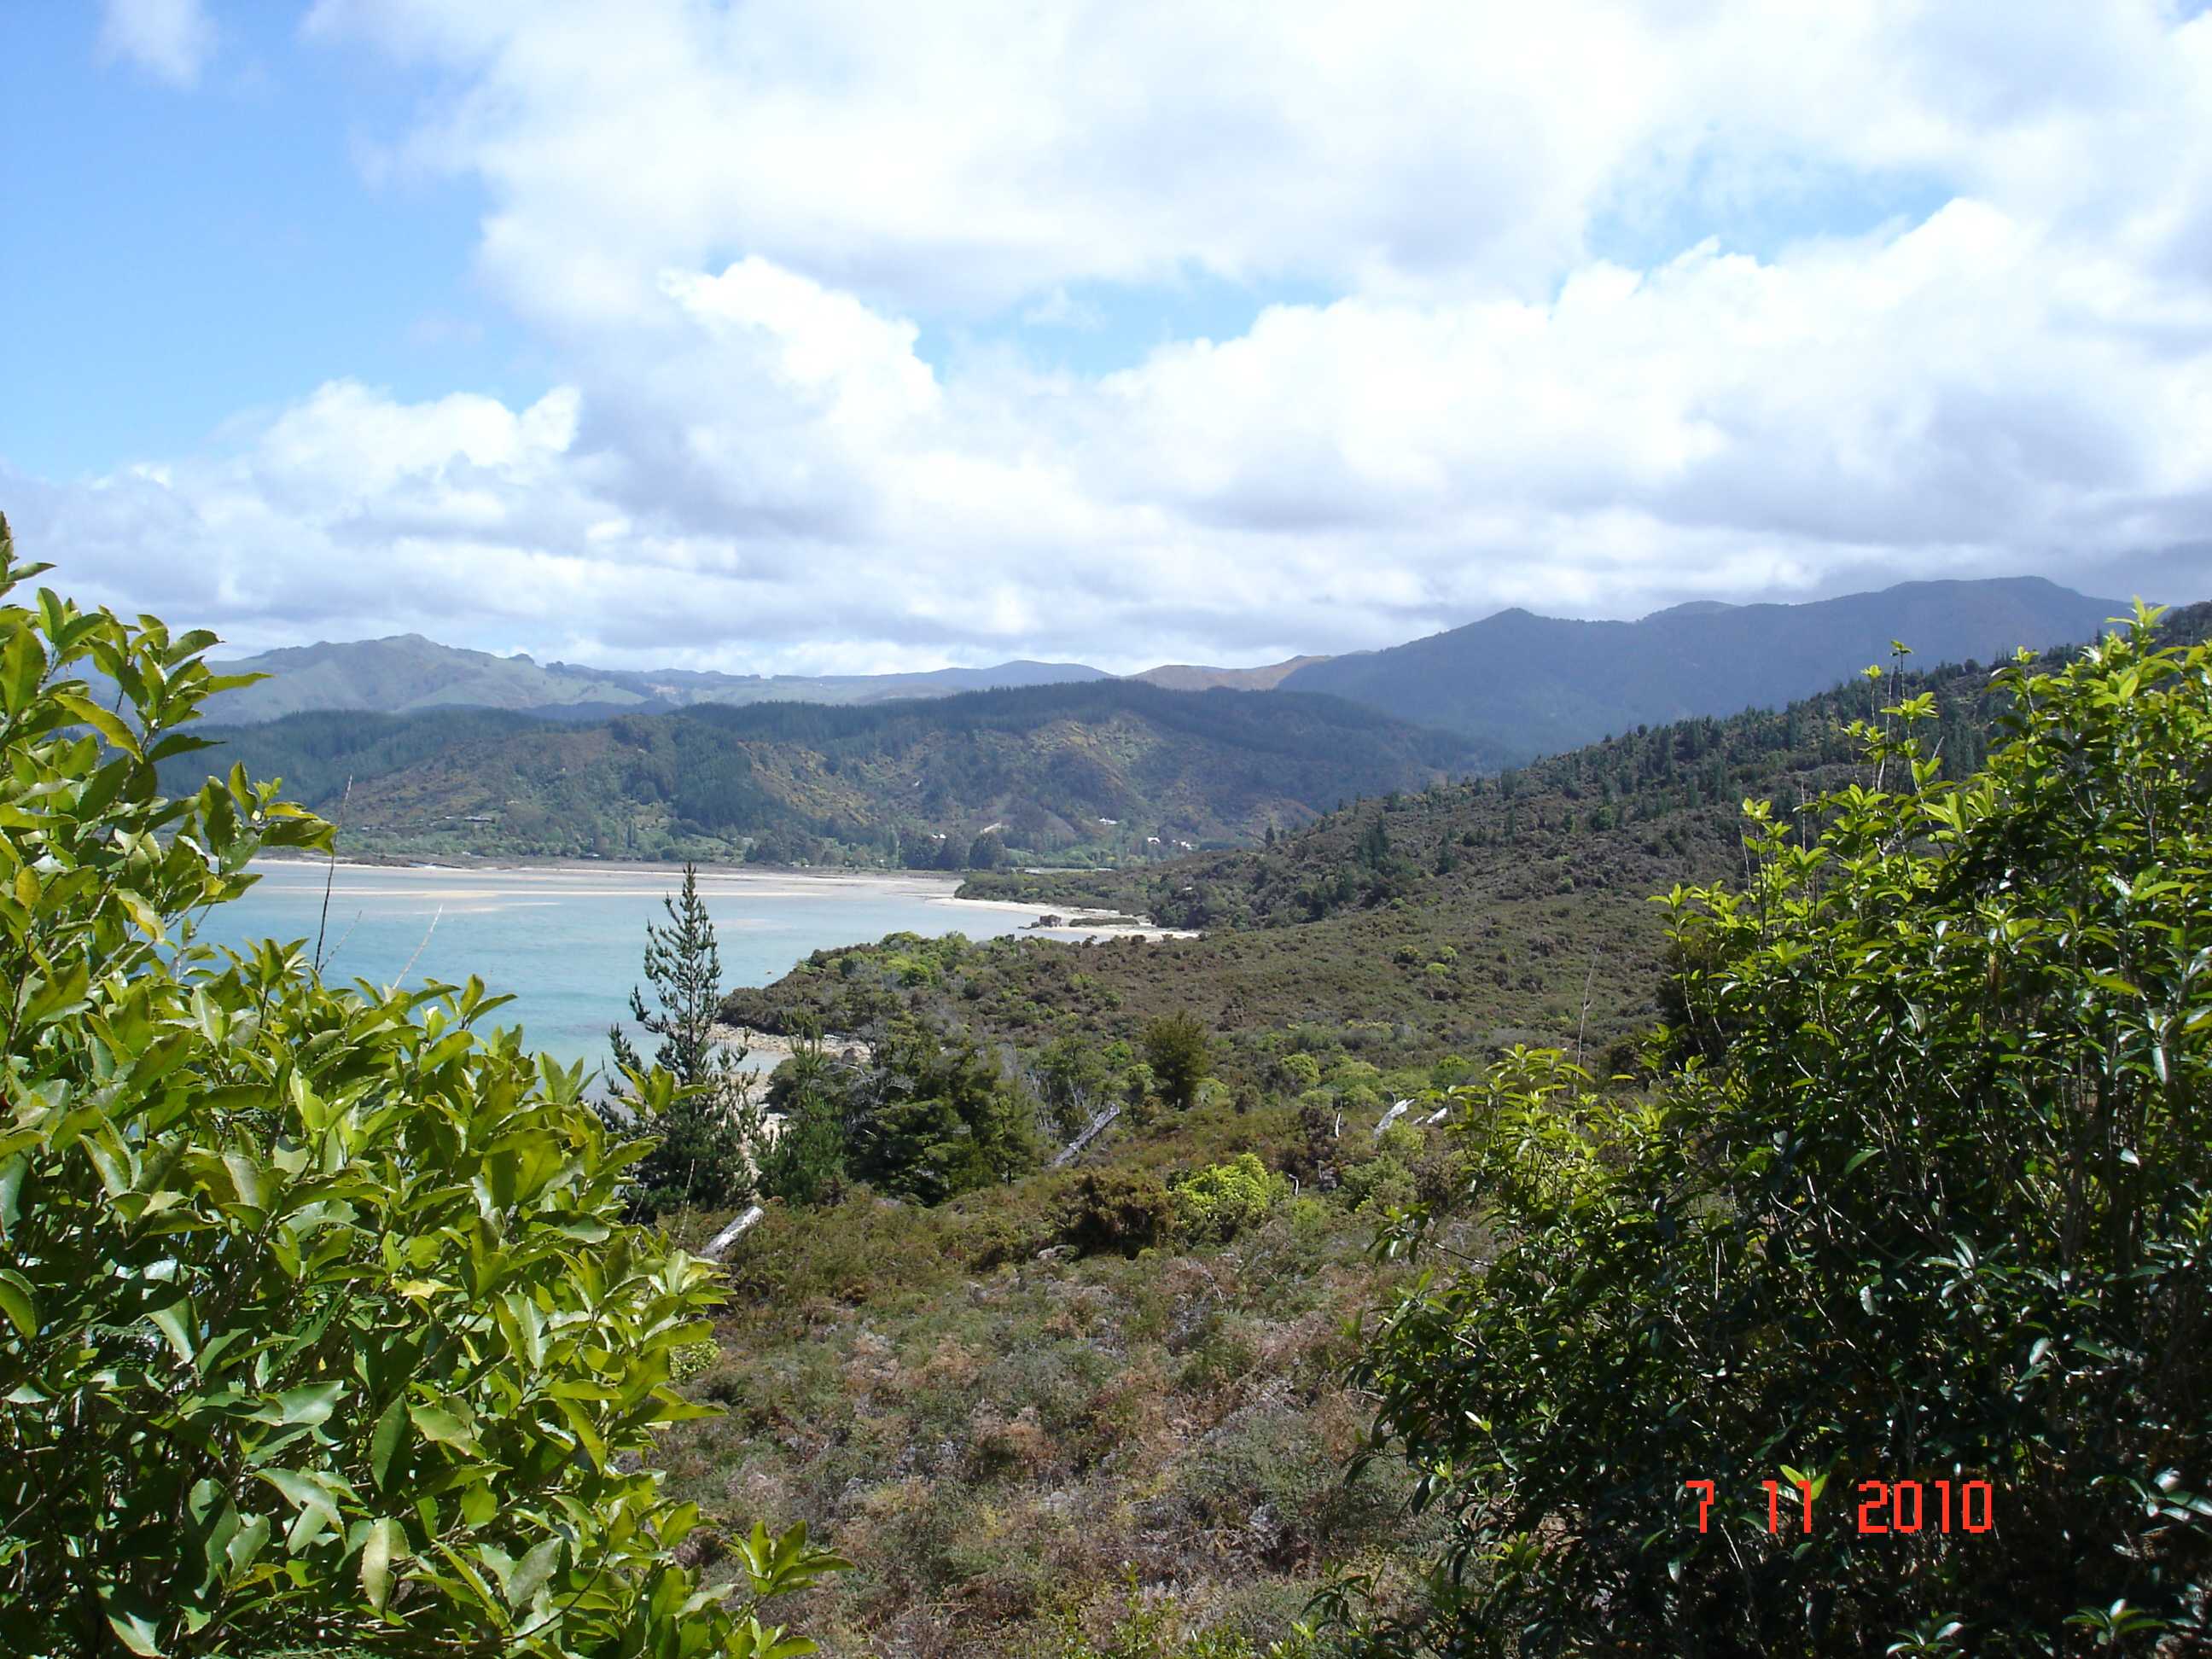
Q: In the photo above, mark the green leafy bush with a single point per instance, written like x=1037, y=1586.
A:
x=1223, y=1198
x=319, y=1324
x=930, y=1117
x=1375, y=1186
x=1927, y=1197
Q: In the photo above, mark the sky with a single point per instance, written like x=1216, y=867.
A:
x=855, y=335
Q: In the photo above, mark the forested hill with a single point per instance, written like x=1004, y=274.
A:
x=1532, y=685
x=1459, y=918
x=1107, y=770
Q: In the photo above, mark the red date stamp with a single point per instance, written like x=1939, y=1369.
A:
x=1885, y=1506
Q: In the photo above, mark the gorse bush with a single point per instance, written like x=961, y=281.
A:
x=319, y=1324
x=1221, y=1200
x=1926, y=1198
x=1123, y=1211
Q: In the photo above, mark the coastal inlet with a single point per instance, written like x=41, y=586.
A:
x=566, y=940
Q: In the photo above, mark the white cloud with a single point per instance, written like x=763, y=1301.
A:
x=1058, y=309
x=170, y=39
x=731, y=225
x=976, y=153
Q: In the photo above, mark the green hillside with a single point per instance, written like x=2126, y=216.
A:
x=1185, y=677
x=1109, y=770
x=1534, y=686
x=1455, y=920
x=1165, y=1438
x=408, y=673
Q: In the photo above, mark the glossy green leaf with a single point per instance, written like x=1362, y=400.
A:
x=385, y=1541
x=18, y=1302
x=173, y=1321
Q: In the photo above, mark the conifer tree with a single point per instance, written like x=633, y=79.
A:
x=702, y=1156
x=1177, y=1049
x=683, y=964
x=805, y=1163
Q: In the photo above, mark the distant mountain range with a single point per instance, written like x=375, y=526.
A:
x=1515, y=684
x=407, y=674
x=1536, y=685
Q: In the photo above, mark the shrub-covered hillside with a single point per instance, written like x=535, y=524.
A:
x=1067, y=1416
x=1880, y=1321
x=1908, y=1191
x=1459, y=918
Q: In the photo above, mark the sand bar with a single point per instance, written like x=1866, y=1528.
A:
x=524, y=881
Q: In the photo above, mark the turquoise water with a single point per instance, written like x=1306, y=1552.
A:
x=567, y=943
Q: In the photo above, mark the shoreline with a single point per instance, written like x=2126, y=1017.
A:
x=765, y=1050
x=527, y=863
x=932, y=886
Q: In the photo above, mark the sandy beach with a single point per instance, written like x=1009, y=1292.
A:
x=622, y=877
x=554, y=879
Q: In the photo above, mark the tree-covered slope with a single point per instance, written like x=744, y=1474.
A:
x=1534, y=686
x=1460, y=918
x=1107, y=769
x=1912, y=1212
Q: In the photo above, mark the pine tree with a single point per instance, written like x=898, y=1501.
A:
x=683, y=964
x=1374, y=848
x=700, y=1158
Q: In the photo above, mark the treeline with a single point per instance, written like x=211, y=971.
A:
x=317, y=754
